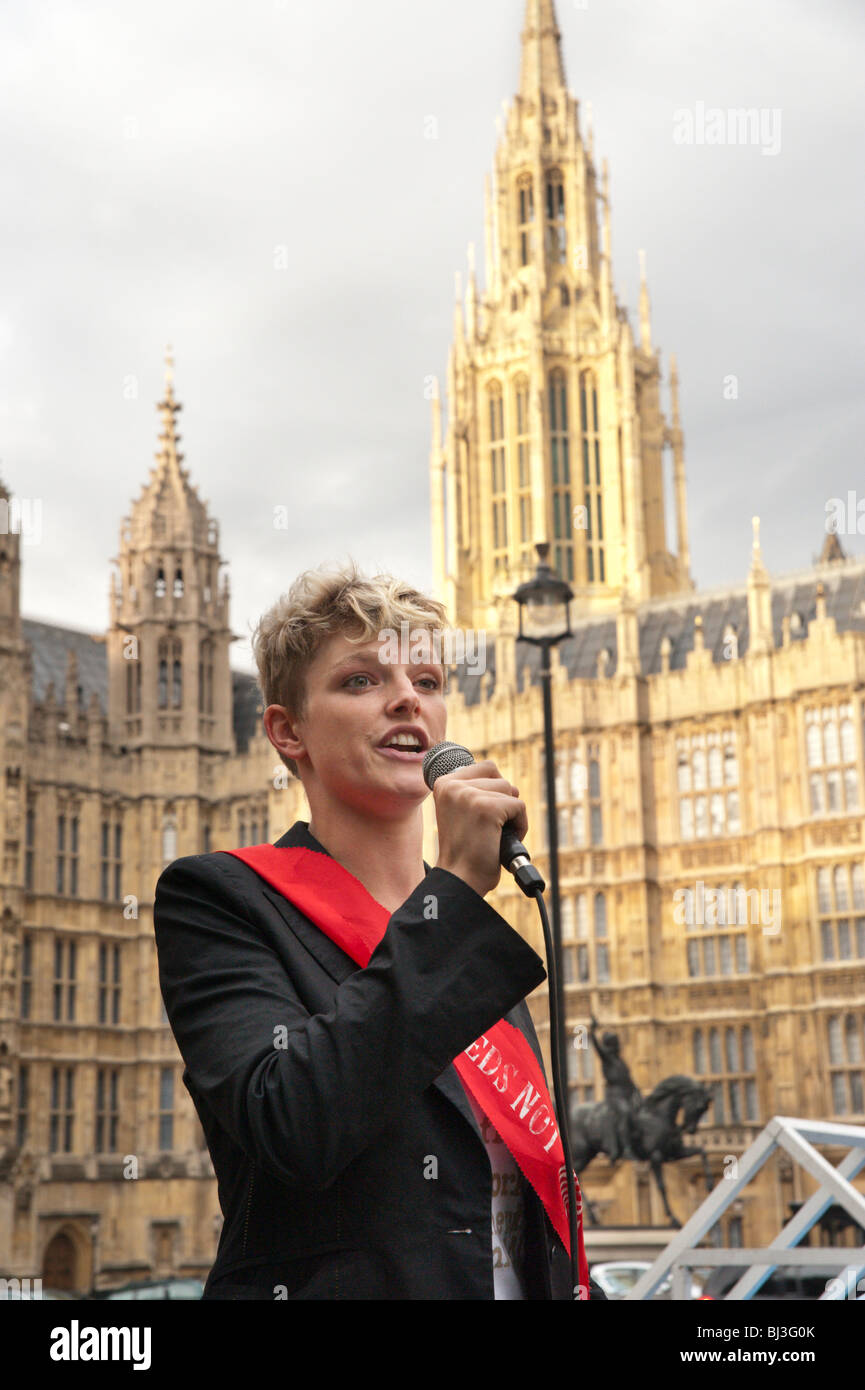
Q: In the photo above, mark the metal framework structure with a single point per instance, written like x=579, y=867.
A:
x=797, y=1137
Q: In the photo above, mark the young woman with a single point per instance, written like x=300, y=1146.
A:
x=352, y=1020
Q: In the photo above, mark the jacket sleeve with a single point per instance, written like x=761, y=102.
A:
x=303, y=1095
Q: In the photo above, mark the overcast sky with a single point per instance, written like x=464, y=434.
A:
x=155, y=154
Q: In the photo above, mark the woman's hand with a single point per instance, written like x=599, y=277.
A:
x=472, y=805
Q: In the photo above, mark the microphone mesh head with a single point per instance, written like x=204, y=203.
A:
x=443, y=758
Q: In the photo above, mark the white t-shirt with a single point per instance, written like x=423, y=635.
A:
x=508, y=1212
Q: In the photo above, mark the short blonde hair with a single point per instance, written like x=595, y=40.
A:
x=319, y=604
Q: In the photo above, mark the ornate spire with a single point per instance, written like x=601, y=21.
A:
x=541, y=67
x=645, y=313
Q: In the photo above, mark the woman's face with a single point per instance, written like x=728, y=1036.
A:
x=354, y=704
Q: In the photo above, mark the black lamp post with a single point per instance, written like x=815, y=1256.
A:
x=545, y=600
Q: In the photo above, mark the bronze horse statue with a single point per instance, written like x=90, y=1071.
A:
x=655, y=1128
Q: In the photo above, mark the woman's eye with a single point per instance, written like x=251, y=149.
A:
x=359, y=677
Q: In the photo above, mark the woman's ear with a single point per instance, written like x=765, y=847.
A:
x=282, y=729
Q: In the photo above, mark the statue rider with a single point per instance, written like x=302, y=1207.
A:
x=621, y=1134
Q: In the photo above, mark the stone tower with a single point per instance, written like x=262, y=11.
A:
x=555, y=429
x=169, y=683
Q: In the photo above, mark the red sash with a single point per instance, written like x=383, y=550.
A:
x=499, y=1070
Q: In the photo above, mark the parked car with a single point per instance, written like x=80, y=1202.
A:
x=618, y=1277
x=155, y=1288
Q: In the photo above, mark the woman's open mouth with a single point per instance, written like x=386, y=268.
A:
x=403, y=755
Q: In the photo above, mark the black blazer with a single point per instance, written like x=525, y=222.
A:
x=324, y=1089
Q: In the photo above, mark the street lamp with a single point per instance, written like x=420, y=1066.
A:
x=545, y=601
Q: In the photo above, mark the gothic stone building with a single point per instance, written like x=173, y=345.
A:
x=709, y=763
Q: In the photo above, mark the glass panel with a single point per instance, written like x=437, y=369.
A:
x=833, y=790
x=750, y=1099
x=715, y=1050
x=735, y=1102
x=814, y=740
x=582, y=917
x=709, y=955
x=836, y=1053
x=726, y=951
x=839, y=1094
x=818, y=797
x=857, y=1103
x=686, y=820
x=824, y=890
x=693, y=959
x=699, y=770
x=600, y=915
x=831, y=744
x=715, y=768
x=731, y=1048
x=742, y=954
x=717, y=814
x=578, y=825
x=603, y=963
x=827, y=940
x=842, y=901
x=583, y=963
x=844, y=952
x=852, y=1038
x=568, y=919
x=747, y=1048
x=851, y=788
x=701, y=815
x=684, y=773
x=698, y=1052
x=858, y=886
x=733, y=826
x=848, y=742
x=731, y=766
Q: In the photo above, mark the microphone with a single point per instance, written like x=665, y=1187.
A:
x=513, y=855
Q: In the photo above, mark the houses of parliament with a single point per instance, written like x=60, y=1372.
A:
x=704, y=741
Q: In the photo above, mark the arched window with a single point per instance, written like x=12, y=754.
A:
x=498, y=475
x=178, y=582
x=205, y=676
x=524, y=477
x=592, y=497
x=176, y=683
x=557, y=238
x=564, y=296
x=698, y=1051
x=731, y=643
x=169, y=839
x=526, y=217
x=560, y=456
x=159, y=588
x=162, y=679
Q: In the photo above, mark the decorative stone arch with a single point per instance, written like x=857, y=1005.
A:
x=67, y=1256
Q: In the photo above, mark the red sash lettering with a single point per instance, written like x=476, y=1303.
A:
x=499, y=1070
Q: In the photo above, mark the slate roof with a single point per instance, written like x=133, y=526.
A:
x=49, y=644
x=795, y=594
x=673, y=617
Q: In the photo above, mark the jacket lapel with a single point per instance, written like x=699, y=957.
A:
x=340, y=966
